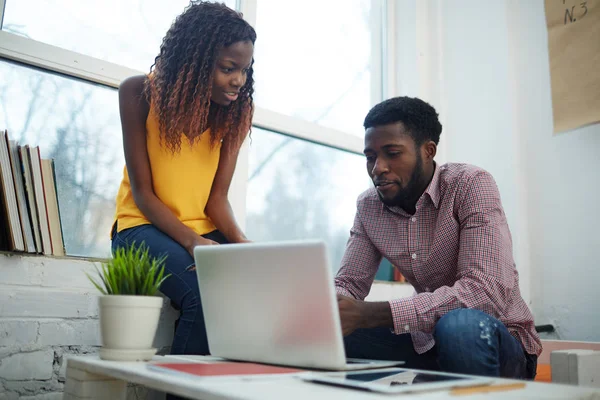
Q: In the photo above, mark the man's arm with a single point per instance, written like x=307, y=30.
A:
x=354, y=279
x=486, y=273
x=359, y=264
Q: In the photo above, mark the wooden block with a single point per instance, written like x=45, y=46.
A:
x=69, y=396
x=81, y=375
x=576, y=367
x=559, y=361
x=103, y=389
x=584, y=368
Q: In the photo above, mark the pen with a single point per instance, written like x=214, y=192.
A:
x=486, y=389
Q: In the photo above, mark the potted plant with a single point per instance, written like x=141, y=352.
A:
x=129, y=305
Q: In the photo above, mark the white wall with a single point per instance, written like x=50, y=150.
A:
x=477, y=103
x=484, y=66
x=563, y=188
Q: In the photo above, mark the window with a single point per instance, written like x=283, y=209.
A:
x=126, y=32
x=78, y=125
x=302, y=190
x=318, y=71
x=315, y=60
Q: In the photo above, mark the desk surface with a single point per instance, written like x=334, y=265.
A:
x=288, y=387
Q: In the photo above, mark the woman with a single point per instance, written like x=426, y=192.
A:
x=183, y=126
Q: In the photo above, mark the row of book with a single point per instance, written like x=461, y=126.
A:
x=28, y=201
x=389, y=272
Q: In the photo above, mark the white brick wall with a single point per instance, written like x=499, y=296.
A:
x=19, y=302
x=70, y=333
x=17, y=333
x=49, y=310
x=36, y=365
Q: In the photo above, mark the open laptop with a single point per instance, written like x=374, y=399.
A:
x=273, y=303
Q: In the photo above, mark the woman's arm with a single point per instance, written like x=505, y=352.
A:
x=134, y=108
x=218, y=208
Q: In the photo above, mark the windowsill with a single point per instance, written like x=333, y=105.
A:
x=67, y=257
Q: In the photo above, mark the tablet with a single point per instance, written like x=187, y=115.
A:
x=395, y=380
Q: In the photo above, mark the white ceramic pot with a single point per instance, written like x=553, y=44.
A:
x=128, y=326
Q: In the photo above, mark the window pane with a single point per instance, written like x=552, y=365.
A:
x=302, y=190
x=78, y=125
x=314, y=59
x=126, y=32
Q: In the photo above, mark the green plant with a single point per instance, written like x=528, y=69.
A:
x=131, y=271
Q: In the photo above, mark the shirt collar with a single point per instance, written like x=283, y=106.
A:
x=433, y=191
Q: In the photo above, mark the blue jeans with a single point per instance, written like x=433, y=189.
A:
x=467, y=341
x=181, y=287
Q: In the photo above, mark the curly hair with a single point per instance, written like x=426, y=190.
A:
x=180, y=81
x=419, y=118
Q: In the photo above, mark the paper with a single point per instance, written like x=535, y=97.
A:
x=222, y=369
x=574, y=49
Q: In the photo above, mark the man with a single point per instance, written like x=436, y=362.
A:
x=444, y=228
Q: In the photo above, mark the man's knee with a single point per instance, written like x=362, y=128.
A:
x=462, y=326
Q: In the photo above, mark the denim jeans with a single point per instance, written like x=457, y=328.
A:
x=467, y=341
x=181, y=287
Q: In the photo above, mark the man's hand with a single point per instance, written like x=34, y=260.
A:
x=356, y=314
x=351, y=313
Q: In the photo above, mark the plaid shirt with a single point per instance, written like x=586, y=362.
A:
x=456, y=251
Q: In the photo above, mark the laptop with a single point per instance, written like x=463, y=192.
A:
x=274, y=303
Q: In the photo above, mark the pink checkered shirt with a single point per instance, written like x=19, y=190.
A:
x=456, y=251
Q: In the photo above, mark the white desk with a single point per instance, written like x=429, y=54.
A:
x=90, y=378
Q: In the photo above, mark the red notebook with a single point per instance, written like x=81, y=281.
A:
x=223, y=369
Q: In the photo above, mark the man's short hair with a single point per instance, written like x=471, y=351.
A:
x=419, y=118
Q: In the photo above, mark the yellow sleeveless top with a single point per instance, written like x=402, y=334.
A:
x=182, y=181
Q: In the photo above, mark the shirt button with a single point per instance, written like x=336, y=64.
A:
x=413, y=219
x=406, y=328
x=414, y=256
x=427, y=289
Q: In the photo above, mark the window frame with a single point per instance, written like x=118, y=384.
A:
x=2, y=8
x=72, y=64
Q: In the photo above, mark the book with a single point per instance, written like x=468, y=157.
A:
x=398, y=277
x=222, y=369
x=40, y=198
x=4, y=242
x=56, y=236
x=30, y=197
x=25, y=216
x=10, y=211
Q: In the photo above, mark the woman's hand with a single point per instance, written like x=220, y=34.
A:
x=199, y=241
